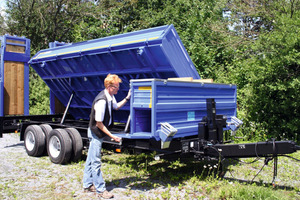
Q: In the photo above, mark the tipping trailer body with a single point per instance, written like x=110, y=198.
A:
x=154, y=55
x=81, y=68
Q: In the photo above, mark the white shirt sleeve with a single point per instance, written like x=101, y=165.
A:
x=115, y=104
x=99, y=110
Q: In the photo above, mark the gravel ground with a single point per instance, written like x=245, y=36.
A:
x=25, y=177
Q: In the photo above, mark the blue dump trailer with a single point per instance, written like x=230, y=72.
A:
x=166, y=87
x=172, y=110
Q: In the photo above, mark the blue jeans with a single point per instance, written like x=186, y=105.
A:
x=92, y=172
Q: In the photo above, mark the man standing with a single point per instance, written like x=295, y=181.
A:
x=101, y=119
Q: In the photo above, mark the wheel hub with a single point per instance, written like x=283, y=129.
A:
x=54, y=146
x=30, y=141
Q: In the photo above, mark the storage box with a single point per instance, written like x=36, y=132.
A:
x=182, y=104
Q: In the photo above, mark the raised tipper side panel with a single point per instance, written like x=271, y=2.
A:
x=81, y=68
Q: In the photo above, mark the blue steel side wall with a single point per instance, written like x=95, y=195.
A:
x=181, y=104
x=178, y=56
x=82, y=67
x=1, y=79
x=52, y=95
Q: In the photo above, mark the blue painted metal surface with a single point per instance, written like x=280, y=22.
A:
x=81, y=67
x=17, y=57
x=181, y=104
x=52, y=95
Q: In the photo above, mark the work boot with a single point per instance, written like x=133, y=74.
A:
x=105, y=195
x=90, y=189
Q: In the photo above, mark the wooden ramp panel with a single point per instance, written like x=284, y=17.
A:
x=13, y=88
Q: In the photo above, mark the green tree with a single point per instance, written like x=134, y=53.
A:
x=39, y=95
x=267, y=72
x=2, y=25
x=43, y=22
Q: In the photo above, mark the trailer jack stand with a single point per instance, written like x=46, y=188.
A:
x=275, y=171
x=275, y=166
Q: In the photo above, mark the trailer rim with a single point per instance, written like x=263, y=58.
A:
x=54, y=146
x=34, y=140
x=59, y=146
x=30, y=141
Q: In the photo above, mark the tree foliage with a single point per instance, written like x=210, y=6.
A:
x=2, y=25
x=45, y=21
x=257, y=47
x=267, y=72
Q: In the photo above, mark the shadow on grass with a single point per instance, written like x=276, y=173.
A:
x=174, y=172
x=259, y=183
x=232, y=162
x=161, y=173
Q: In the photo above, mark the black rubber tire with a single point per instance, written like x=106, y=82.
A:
x=46, y=129
x=77, y=144
x=59, y=146
x=34, y=140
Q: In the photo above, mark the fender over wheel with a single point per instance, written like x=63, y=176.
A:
x=59, y=146
x=35, y=140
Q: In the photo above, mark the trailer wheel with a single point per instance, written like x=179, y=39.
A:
x=46, y=129
x=77, y=144
x=35, y=140
x=59, y=146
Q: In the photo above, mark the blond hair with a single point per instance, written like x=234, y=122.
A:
x=111, y=79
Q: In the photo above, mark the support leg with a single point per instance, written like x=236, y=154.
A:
x=275, y=171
